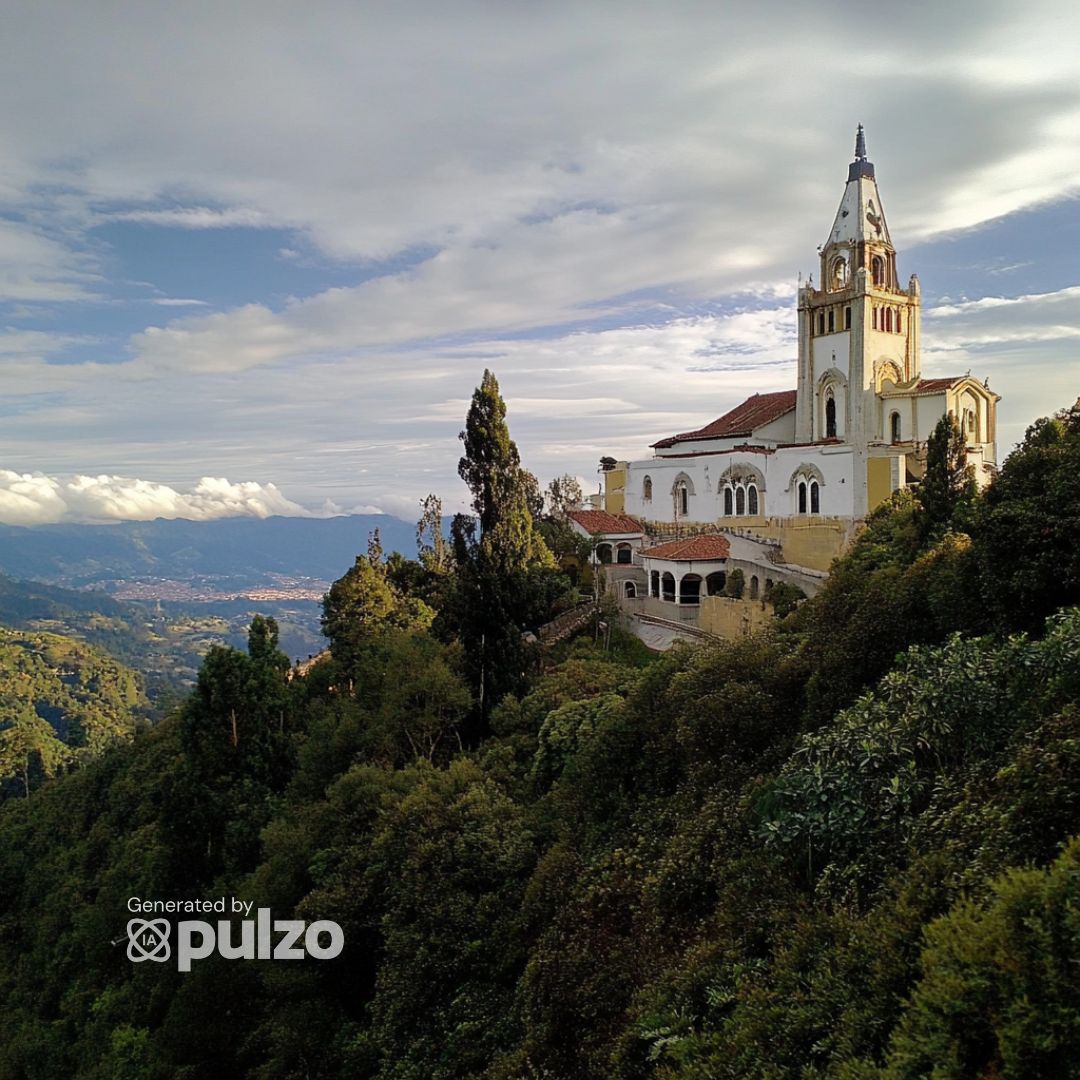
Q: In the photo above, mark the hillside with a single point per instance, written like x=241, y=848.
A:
x=62, y=702
x=166, y=642
x=845, y=848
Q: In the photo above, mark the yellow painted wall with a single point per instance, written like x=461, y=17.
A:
x=615, y=490
x=729, y=618
x=809, y=542
x=878, y=481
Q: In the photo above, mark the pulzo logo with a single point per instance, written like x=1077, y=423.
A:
x=148, y=939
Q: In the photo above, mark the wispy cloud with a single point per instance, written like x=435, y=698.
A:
x=195, y=217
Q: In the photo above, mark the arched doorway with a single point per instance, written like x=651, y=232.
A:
x=603, y=553
x=667, y=583
x=690, y=589
x=715, y=582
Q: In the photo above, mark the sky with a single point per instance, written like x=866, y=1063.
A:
x=254, y=257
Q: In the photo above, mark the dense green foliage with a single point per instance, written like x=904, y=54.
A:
x=61, y=702
x=842, y=849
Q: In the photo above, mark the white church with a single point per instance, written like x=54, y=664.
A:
x=855, y=427
x=791, y=474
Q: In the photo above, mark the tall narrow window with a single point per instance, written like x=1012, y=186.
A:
x=754, y=586
x=821, y=323
x=830, y=417
x=728, y=511
x=894, y=427
x=740, y=501
x=877, y=270
x=802, y=496
x=899, y=323
x=684, y=501
x=646, y=489
x=888, y=319
x=832, y=321
x=752, y=500
x=815, y=498
x=847, y=318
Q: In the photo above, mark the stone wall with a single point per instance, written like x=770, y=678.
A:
x=725, y=617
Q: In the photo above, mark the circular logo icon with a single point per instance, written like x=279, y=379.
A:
x=148, y=939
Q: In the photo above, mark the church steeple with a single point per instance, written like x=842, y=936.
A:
x=859, y=329
x=860, y=218
x=860, y=166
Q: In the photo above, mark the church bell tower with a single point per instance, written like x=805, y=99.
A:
x=858, y=329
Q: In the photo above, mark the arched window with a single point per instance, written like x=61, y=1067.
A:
x=603, y=553
x=682, y=498
x=630, y=590
x=654, y=583
x=752, y=500
x=830, y=416
x=753, y=587
x=740, y=500
x=715, y=582
x=802, y=499
x=646, y=489
x=894, y=427
x=728, y=509
x=815, y=498
x=839, y=272
x=624, y=554
x=877, y=270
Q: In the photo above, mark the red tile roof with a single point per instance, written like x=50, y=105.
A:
x=694, y=548
x=744, y=419
x=935, y=386
x=596, y=522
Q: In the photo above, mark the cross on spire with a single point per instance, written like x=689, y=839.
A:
x=860, y=166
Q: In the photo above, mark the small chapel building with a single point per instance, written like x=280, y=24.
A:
x=802, y=467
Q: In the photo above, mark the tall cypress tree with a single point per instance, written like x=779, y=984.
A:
x=506, y=576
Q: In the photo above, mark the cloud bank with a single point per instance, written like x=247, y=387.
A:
x=35, y=499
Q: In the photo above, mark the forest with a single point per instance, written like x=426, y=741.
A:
x=848, y=847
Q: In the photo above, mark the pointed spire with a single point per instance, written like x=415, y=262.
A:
x=860, y=166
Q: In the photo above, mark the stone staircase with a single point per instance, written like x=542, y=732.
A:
x=562, y=626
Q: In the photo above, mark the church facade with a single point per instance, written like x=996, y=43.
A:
x=801, y=467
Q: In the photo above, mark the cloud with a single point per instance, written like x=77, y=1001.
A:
x=36, y=268
x=196, y=217
x=36, y=499
x=998, y=320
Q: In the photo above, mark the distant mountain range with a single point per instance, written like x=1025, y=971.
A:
x=234, y=552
